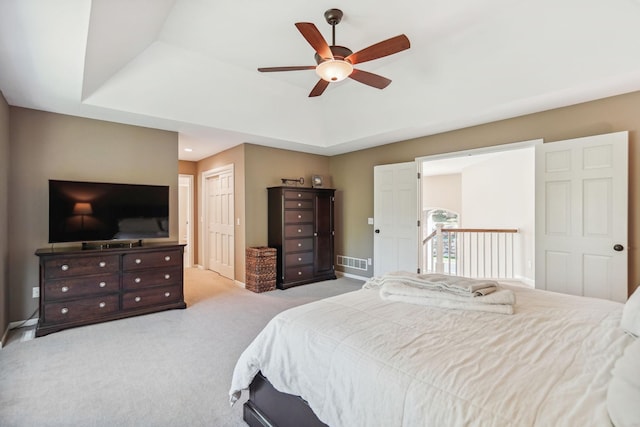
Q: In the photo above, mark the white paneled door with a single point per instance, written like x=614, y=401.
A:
x=219, y=196
x=185, y=216
x=395, y=201
x=581, y=216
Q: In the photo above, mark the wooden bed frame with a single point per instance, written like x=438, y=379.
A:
x=267, y=407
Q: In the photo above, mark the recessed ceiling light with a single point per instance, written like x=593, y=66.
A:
x=188, y=149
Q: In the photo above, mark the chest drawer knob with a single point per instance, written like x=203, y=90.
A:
x=299, y=216
x=137, y=299
x=102, y=304
x=167, y=258
x=64, y=310
x=137, y=280
x=102, y=284
x=299, y=205
x=167, y=276
x=299, y=245
x=138, y=260
x=102, y=264
x=299, y=259
x=299, y=273
x=299, y=195
x=64, y=267
x=167, y=294
x=299, y=230
x=65, y=289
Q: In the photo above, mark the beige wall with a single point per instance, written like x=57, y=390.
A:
x=256, y=168
x=53, y=146
x=4, y=216
x=353, y=172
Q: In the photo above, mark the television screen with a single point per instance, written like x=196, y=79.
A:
x=94, y=211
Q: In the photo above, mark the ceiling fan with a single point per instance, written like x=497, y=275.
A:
x=335, y=63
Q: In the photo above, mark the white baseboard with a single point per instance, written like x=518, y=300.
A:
x=240, y=284
x=23, y=323
x=352, y=276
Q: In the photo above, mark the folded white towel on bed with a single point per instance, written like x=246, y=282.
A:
x=439, y=290
x=456, y=285
x=397, y=287
x=447, y=303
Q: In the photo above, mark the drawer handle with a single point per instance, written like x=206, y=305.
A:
x=137, y=299
x=64, y=310
x=167, y=258
x=299, y=259
x=102, y=264
x=299, y=273
x=167, y=294
x=138, y=260
x=102, y=284
x=167, y=276
x=137, y=280
x=299, y=195
x=299, y=245
x=299, y=230
x=299, y=216
x=65, y=289
x=299, y=205
x=102, y=304
x=64, y=267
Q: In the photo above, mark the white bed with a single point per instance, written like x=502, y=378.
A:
x=361, y=361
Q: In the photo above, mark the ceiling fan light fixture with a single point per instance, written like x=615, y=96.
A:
x=334, y=70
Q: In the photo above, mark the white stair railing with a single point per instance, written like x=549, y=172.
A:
x=471, y=252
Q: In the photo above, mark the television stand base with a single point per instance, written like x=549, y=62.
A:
x=111, y=245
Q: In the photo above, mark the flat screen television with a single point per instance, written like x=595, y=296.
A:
x=100, y=211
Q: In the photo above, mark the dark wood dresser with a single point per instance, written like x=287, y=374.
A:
x=81, y=287
x=301, y=228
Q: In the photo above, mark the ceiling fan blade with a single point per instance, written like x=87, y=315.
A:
x=319, y=88
x=384, y=48
x=311, y=33
x=370, y=79
x=294, y=68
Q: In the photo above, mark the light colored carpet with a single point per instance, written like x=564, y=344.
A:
x=164, y=369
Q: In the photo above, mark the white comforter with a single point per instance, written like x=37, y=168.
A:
x=361, y=361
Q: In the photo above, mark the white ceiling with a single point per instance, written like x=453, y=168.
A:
x=190, y=65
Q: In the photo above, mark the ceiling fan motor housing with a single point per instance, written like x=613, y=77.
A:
x=339, y=52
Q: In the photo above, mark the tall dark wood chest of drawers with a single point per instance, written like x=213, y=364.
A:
x=81, y=287
x=301, y=228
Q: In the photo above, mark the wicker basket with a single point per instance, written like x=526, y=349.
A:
x=261, y=269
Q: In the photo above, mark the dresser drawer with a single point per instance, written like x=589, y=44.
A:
x=77, y=266
x=298, y=230
x=81, y=286
x=299, y=258
x=137, y=261
x=82, y=309
x=298, y=204
x=298, y=273
x=298, y=195
x=298, y=216
x=293, y=245
x=150, y=297
x=155, y=277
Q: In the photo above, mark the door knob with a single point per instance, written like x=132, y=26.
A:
x=618, y=248
x=377, y=230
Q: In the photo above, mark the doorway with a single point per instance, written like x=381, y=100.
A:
x=185, y=216
x=481, y=196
